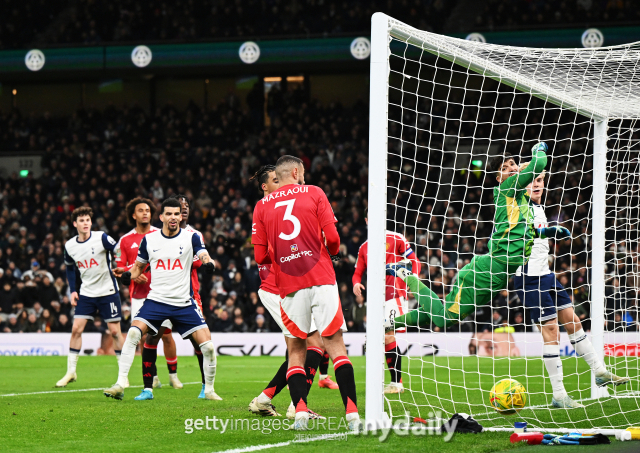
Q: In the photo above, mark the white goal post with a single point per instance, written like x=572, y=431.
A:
x=600, y=87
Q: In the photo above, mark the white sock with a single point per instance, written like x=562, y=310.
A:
x=323, y=376
x=551, y=357
x=264, y=399
x=151, y=390
x=173, y=375
x=584, y=349
x=72, y=361
x=209, y=365
x=127, y=355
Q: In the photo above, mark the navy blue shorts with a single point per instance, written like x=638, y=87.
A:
x=544, y=295
x=185, y=320
x=107, y=306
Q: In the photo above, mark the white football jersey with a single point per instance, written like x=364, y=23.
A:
x=539, y=260
x=170, y=260
x=92, y=258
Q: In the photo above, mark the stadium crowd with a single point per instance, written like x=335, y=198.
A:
x=98, y=22
x=105, y=158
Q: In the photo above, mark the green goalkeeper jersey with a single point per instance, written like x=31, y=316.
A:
x=514, y=231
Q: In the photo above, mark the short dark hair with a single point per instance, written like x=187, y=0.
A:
x=285, y=161
x=81, y=211
x=496, y=162
x=179, y=196
x=131, y=208
x=170, y=203
x=262, y=175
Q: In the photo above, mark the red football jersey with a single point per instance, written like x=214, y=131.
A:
x=398, y=248
x=268, y=278
x=126, y=253
x=195, y=284
x=290, y=221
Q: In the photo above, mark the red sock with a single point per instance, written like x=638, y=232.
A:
x=347, y=383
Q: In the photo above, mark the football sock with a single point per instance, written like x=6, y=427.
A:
x=128, y=354
x=118, y=353
x=172, y=365
x=72, y=360
x=200, y=363
x=297, y=380
x=149, y=356
x=311, y=363
x=324, y=366
x=553, y=364
x=209, y=365
x=431, y=307
x=347, y=383
x=394, y=361
x=276, y=385
x=584, y=349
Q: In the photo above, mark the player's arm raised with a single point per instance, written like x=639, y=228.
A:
x=530, y=171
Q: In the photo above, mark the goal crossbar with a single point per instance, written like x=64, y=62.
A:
x=604, y=100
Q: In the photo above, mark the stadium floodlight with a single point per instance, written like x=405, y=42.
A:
x=441, y=105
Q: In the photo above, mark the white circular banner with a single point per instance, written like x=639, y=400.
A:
x=34, y=60
x=360, y=48
x=141, y=56
x=476, y=37
x=249, y=52
x=592, y=37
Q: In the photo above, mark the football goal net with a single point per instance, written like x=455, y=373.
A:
x=441, y=109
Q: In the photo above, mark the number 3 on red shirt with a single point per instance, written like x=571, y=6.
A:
x=291, y=218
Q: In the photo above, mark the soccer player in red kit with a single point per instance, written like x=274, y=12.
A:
x=398, y=248
x=139, y=212
x=270, y=298
x=149, y=352
x=289, y=225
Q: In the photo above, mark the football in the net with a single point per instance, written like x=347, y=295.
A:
x=508, y=396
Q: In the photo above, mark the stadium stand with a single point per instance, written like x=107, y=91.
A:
x=210, y=155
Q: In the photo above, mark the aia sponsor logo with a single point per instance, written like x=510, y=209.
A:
x=622, y=349
x=169, y=264
x=86, y=264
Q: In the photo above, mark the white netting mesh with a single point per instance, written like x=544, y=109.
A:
x=453, y=104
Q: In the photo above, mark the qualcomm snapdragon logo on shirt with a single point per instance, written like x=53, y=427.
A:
x=295, y=256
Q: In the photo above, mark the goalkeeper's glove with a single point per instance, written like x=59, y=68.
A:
x=126, y=278
x=208, y=268
x=554, y=232
x=540, y=146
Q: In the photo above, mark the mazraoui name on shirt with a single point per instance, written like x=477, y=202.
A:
x=93, y=261
x=170, y=260
x=539, y=259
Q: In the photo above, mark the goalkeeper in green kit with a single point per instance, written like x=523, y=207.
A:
x=509, y=248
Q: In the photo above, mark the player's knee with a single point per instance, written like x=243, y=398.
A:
x=207, y=349
x=134, y=335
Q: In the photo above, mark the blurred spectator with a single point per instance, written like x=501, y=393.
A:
x=223, y=323
x=12, y=324
x=63, y=325
x=260, y=325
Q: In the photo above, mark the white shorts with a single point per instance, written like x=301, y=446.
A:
x=272, y=303
x=398, y=305
x=136, y=305
x=319, y=303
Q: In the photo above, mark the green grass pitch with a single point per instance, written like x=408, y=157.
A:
x=37, y=417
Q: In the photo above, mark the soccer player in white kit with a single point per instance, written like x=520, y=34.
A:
x=88, y=253
x=169, y=253
x=549, y=304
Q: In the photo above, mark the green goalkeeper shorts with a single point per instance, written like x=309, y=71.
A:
x=477, y=284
